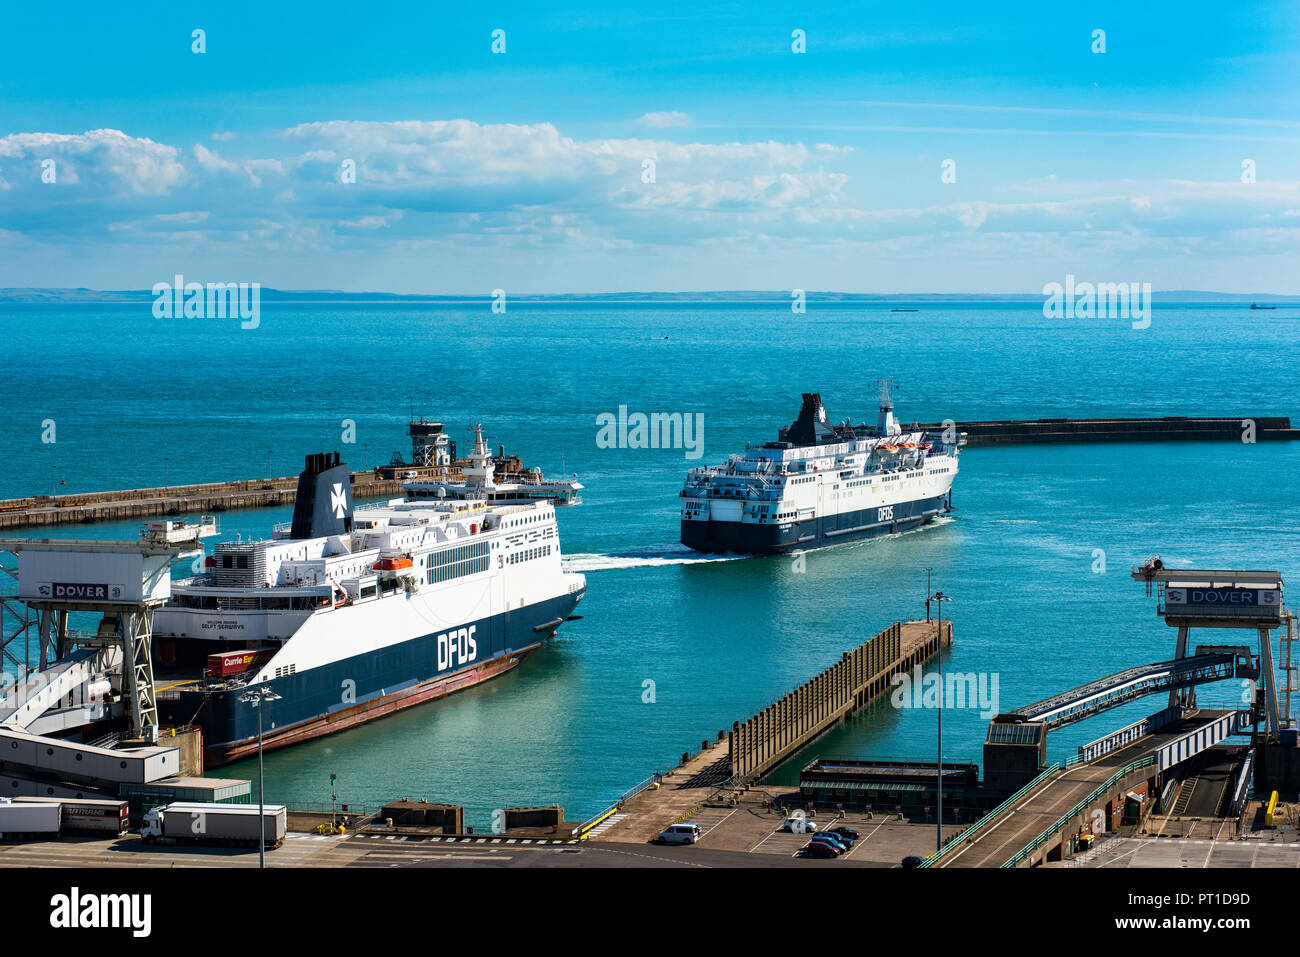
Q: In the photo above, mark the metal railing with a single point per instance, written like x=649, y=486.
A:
x=966, y=833
x=637, y=789
x=581, y=831
x=584, y=829
x=1065, y=818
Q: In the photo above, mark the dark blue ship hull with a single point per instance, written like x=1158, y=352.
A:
x=773, y=539
x=354, y=690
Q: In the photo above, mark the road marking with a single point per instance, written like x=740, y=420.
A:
x=649, y=857
x=861, y=841
x=706, y=830
x=606, y=824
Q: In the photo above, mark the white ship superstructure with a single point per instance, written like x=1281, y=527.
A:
x=482, y=482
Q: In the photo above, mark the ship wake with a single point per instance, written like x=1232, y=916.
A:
x=648, y=556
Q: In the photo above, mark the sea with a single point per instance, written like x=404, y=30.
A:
x=674, y=646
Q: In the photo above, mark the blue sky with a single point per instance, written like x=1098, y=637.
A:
x=524, y=170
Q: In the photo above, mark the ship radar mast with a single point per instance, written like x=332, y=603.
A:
x=479, y=472
x=886, y=424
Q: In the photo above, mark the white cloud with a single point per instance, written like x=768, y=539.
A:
x=105, y=161
x=498, y=187
x=665, y=120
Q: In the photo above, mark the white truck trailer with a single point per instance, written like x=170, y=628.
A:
x=88, y=815
x=225, y=824
x=20, y=820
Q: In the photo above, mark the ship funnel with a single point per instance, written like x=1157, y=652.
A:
x=323, y=506
x=811, y=427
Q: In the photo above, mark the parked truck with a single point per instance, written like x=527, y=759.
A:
x=225, y=824
x=88, y=815
x=20, y=820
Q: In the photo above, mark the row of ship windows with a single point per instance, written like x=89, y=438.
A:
x=529, y=554
x=449, y=556
x=524, y=521
x=468, y=566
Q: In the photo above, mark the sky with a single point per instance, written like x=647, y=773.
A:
x=918, y=147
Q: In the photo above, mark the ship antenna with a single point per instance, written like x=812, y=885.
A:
x=886, y=400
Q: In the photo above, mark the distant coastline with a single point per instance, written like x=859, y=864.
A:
x=84, y=295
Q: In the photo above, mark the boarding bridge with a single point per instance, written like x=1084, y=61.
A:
x=1132, y=683
x=45, y=690
x=122, y=582
x=1015, y=749
x=78, y=672
x=1188, y=598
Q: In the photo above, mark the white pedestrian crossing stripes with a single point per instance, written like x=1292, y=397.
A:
x=605, y=825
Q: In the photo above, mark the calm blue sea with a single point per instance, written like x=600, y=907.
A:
x=137, y=402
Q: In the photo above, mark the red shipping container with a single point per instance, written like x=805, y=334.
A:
x=229, y=663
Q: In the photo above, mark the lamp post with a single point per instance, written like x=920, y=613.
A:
x=255, y=697
x=939, y=598
x=928, y=570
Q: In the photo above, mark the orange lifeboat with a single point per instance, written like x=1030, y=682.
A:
x=392, y=564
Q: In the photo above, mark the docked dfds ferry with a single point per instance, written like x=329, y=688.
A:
x=350, y=615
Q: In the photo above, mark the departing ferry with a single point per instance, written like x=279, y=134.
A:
x=821, y=484
x=345, y=616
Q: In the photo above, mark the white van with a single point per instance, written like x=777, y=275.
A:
x=680, y=834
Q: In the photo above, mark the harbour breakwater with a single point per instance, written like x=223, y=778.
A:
x=384, y=482
x=44, y=510
x=1170, y=428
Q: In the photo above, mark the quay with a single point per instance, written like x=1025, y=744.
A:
x=1170, y=428
x=1175, y=774
x=726, y=768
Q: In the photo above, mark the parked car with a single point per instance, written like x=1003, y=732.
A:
x=799, y=825
x=832, y=840
x=848, y=832
x=680, y=834
x=913, y=861
x=821, y=849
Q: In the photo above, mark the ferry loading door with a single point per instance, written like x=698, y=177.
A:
x=498, y=607
x=821, y=523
